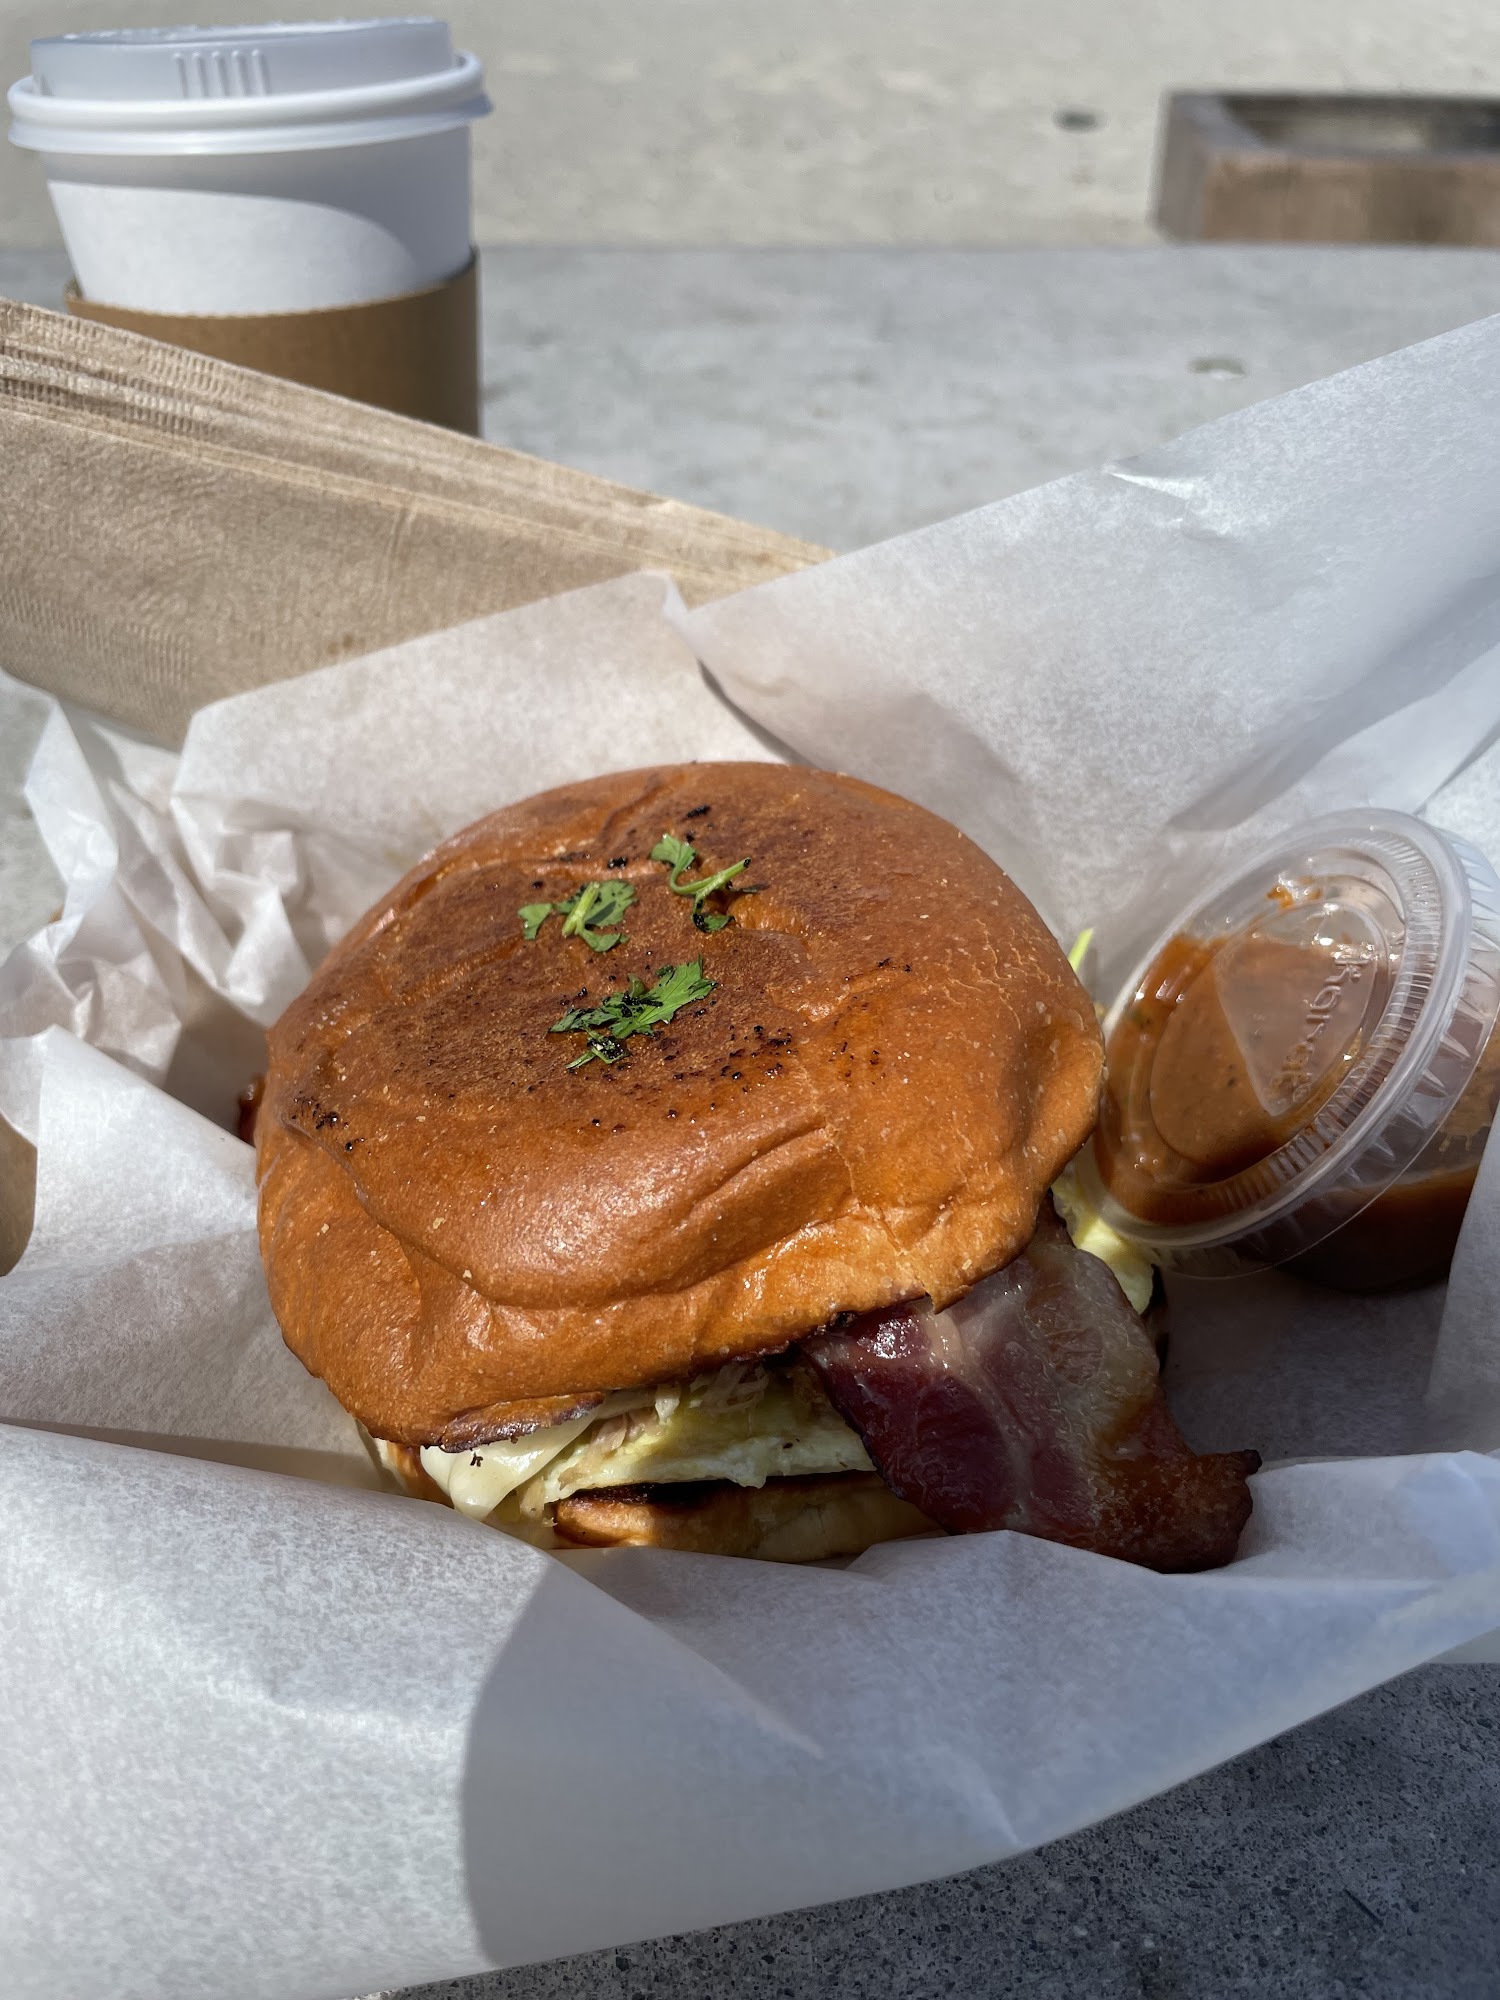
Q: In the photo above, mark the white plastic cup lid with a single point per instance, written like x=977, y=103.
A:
x=278, y=88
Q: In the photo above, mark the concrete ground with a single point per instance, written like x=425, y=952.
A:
x=845, y=121
x=849, y=395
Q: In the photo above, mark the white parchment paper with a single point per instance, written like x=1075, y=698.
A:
x=294, y=1738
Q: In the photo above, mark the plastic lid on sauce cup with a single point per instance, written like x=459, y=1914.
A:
x=1295, y=1041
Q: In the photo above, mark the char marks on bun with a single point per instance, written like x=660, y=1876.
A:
x=889, y=1062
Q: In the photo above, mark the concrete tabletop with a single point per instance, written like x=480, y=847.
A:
x=845, y=395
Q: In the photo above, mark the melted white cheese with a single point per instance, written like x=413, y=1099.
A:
x=1088, y=1229
x=743, y=1422
x=476, y=1481
x=785, y=1429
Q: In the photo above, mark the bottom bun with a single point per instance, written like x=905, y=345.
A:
x=786, y=1520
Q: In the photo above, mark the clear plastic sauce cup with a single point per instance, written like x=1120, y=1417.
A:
x=1304, y=1070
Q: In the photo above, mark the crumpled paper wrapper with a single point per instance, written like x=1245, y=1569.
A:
x=292, y=1738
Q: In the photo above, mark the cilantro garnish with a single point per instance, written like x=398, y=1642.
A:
x=636, y=1011
x=586, y=914
x=679, y=855
x=594, y=908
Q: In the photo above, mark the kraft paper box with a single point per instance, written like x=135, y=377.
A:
x=177, y=529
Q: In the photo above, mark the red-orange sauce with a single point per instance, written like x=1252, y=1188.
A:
x=1231, y=1048
x=1407, y=1235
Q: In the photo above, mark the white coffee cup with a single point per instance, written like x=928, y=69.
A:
x=255, y=170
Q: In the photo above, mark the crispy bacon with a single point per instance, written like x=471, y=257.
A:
x=1035, y=1403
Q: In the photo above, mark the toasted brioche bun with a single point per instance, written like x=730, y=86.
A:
x=465, y=1238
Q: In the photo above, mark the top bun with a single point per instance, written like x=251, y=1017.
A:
x=466, y=1238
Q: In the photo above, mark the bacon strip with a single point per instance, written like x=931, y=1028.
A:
x=1035, y=1403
